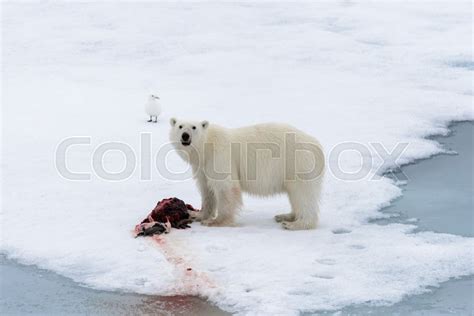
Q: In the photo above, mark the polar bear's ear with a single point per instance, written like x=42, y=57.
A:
x=204, y=124
x=173, y=121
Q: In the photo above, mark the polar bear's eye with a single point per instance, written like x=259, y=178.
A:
x=194, y=127
x=181, y=126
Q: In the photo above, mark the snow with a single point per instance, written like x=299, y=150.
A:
x=349, y=71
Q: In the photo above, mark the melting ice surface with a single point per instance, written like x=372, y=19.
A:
x=348, y=71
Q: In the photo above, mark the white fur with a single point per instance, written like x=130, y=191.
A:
x=210, y=157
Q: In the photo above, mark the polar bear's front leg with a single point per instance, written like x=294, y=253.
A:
x=228, y=203
x=290, y=217
x=208, y=200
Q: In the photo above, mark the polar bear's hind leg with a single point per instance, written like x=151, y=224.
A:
x=304, y=200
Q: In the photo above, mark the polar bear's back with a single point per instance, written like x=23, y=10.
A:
x=260, y=158
x=269, y=132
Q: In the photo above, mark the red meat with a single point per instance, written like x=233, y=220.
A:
x=173, y=211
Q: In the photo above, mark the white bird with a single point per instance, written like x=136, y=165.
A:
x=153, y=108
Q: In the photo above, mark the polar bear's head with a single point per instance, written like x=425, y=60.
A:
x=186, y=133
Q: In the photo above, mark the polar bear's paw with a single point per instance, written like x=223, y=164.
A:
x=196, y=216
x=298, y=225
x=208, y=222
x=217, y=222
x=285, y=218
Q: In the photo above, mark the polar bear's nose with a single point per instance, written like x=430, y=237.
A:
x=185, y=137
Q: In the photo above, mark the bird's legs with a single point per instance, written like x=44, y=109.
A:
x=150, y=119
x=156, y=119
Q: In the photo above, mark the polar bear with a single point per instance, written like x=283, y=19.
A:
x=262, y=160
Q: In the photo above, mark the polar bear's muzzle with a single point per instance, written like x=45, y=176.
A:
x=185, y=139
